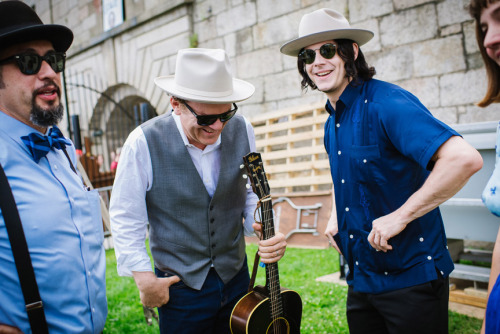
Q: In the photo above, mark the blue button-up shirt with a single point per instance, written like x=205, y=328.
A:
x=380, y=141
x=63, y=228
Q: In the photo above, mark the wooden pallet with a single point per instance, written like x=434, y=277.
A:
x=291, y=144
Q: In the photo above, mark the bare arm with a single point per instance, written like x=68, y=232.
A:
x=455, y=162
x=4, y=329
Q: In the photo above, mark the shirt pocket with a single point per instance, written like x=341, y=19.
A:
x=367, y=165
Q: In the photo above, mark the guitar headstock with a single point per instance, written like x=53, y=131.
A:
x=255, y=170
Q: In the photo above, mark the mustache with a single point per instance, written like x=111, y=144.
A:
x=48, y=84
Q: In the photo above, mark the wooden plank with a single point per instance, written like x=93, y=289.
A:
x=297, y=123
x=290, y=138
x=459, y=296
x=300, y=181
x=297, y=166
x=291, y=153
x=288, y=111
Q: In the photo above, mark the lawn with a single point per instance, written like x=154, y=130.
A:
x=323, y=303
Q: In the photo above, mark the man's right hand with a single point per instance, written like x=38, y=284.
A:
x=154, y=291
x=4, y=329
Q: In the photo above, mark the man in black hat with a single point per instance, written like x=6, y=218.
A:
x=59, y=217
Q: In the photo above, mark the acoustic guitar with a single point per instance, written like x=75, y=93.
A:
x=268, y=309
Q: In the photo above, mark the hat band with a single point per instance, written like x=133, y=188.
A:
x=203, y=93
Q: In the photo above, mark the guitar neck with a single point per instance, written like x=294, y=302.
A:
x=272, y=273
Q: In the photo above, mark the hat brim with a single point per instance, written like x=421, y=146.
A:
x=60, y=36
x=293, y=47
x=242, y=90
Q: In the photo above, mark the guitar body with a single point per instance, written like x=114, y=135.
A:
x=251, y=314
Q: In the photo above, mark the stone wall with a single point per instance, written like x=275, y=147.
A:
x=426, y=46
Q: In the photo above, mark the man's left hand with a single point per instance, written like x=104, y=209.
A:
x=272, y=249
x=383, y=229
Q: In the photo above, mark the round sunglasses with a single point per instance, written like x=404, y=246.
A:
x=204, y=120
x=31, y=63
x=326, y=51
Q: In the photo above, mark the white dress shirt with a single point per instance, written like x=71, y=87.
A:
x=134, y=177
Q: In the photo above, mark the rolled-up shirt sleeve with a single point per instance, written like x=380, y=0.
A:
x=128, y=212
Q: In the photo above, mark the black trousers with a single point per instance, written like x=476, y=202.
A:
x=418, y=309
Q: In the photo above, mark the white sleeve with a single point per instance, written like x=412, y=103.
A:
x=127, y=208
x=251, y=203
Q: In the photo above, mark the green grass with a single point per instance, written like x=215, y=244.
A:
x=323, y=303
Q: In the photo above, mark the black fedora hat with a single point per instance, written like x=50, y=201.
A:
x=19, y=23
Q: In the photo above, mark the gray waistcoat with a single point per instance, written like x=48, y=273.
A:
x=189, y=231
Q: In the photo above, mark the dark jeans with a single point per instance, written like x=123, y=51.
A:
x=208, y=310
x=418, y=309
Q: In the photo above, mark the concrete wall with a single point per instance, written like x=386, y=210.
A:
x=426, y=46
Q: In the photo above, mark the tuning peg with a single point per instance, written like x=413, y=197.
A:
x=248, y=186
x=242, y=166
x=244, y=176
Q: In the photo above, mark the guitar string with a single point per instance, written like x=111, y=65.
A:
x=266, y=210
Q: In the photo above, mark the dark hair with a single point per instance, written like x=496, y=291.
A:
x=476, y=7
x=356, y=70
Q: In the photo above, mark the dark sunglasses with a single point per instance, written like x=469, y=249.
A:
x=204, y=120
x=31, y=63
x=326, y=51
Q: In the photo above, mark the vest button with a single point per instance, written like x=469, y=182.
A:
x=212, y=220
x=213, y=245
x=212, y=234
x=211, y=207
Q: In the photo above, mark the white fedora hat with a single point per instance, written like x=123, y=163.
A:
x=204, y=75
x=323, y=25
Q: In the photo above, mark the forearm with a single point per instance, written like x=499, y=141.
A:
x=456, y=162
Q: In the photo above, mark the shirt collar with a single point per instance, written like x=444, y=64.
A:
x=14, y=128
x=347, y=98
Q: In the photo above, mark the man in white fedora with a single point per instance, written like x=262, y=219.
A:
x=392, y=164
x=180, y=173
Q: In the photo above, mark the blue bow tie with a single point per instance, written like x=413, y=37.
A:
x=39, y=145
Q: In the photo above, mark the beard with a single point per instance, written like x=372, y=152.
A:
x=45, y=117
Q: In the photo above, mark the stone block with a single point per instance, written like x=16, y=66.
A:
x=267, y=9
x=374, y=44
x=438, y=56
x=360, y=10
x=170, y=46
x=394, y=64
x=462, y=88
x=404, y=4
x=236, y=18
x=279, y=86
x=425, y=89
x=452, y=11
x=269, y=32
x=206, y=30
x=469, y=29
x=447, y=115
x=258, y=63
x=474, y=113
x=204, y=10
x=408, y=26
x=451, y=30
x=239, y=42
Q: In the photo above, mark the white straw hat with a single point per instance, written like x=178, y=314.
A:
x=323, y=25
x=204, y=75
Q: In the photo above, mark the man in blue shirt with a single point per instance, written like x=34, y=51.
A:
x=392, y=164
x=61, y=219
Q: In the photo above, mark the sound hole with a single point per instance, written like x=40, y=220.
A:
x=279, y=326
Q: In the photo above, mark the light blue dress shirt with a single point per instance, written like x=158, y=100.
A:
x=63, y=228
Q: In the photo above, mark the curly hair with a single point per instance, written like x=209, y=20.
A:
x=476, y=7
x=356, y=70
